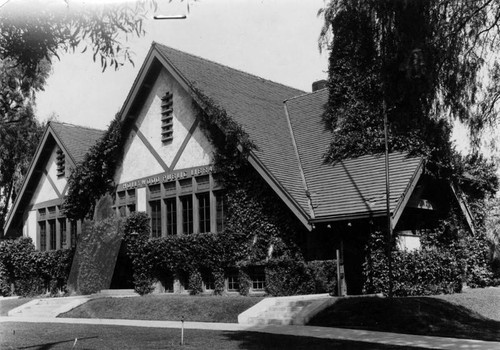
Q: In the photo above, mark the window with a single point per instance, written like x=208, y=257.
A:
x=204, y=212
x=171, y=216
x=121, y=197
x=170, y=187
x=155, y=218
x=131, y=208
x=53, y=236
x=155, y=191
x=258, y=279
x=221, y=205
x=73, y=229
x=41, y=213
x=208, y=282
x=131, y=195
x=52, y=211
x=43, y=236
x=167, y=120
x=62, y=227
x=187, y=214
x=233, y=282
x=60, y=162
x=203, y=182
x=186, y=185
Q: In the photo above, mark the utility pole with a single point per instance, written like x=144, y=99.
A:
x=387, y=180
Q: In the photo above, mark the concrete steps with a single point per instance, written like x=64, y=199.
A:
x=294, y=310
x=48, y=307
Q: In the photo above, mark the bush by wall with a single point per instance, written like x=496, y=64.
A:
x=96, y=254
x=446, y=260
x=27, y=272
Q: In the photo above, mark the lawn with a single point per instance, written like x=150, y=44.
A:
x=466, y=315
x=167, y=307
x=41, y=336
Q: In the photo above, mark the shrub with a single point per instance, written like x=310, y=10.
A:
x=219, y=282
x=96, y=255
x=195, y=283
x=324, y=274
x=244, y=281
x=298, y=278
x=439, y=267
x=32, y=272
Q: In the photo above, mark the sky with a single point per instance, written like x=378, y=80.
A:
x=273, y=39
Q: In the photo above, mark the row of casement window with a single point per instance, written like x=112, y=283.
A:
x=232, y=283
x=53, y=234
x=185, y=205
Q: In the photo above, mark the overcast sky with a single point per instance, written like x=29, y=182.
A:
x=273, y=39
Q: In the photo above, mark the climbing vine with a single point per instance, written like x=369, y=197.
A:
x=93, y=177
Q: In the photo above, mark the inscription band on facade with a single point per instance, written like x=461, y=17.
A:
x=167, y=177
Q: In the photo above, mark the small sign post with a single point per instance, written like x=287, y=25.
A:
x=182, y=330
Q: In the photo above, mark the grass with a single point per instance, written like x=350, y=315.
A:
x=458, y=316
x=42, y=336
x=167, y=307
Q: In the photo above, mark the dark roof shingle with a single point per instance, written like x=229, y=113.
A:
x=349, y=188
x=76, y=139
x=256, y=104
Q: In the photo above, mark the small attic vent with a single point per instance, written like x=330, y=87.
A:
x=167, y=120
x=60, y=161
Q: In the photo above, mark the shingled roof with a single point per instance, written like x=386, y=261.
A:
x=285, y=125
x=351, y=188
x=73, y=139
x=256, y=104
x=76, y=139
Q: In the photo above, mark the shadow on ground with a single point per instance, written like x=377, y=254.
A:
x=414, y=315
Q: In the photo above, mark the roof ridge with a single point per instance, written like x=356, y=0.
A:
x=227, y=67
x=74, y=125
x=305, y=94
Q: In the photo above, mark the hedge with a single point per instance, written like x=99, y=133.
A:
x=27, y=272
x=442, y=266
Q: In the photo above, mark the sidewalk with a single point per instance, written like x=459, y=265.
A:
x=304, y=331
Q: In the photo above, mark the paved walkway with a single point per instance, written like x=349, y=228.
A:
x=305, y=331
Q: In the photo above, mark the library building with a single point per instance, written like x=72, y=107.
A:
x=168, y=166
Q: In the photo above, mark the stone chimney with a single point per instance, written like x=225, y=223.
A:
x=318, y=85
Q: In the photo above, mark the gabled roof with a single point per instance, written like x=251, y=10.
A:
x=352, y=188
x=254, y=103
x=285, y=125
x=74, y=140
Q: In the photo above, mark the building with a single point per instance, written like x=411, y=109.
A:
x=167, y=169
x=36, y=212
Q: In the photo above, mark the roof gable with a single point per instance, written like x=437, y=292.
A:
x=74, y=140
x=254, y=103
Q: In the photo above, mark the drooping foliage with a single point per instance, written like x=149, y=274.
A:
x=18, y=140
x=32, y=32
x=427, y=56
x=420, y=63
x=93, y=177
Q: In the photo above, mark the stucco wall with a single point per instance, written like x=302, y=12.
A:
x=45, y=191
x=138, y=161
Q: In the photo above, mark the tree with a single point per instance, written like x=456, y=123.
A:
x=425, y=60
x=18, y=142
x=33, y=32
